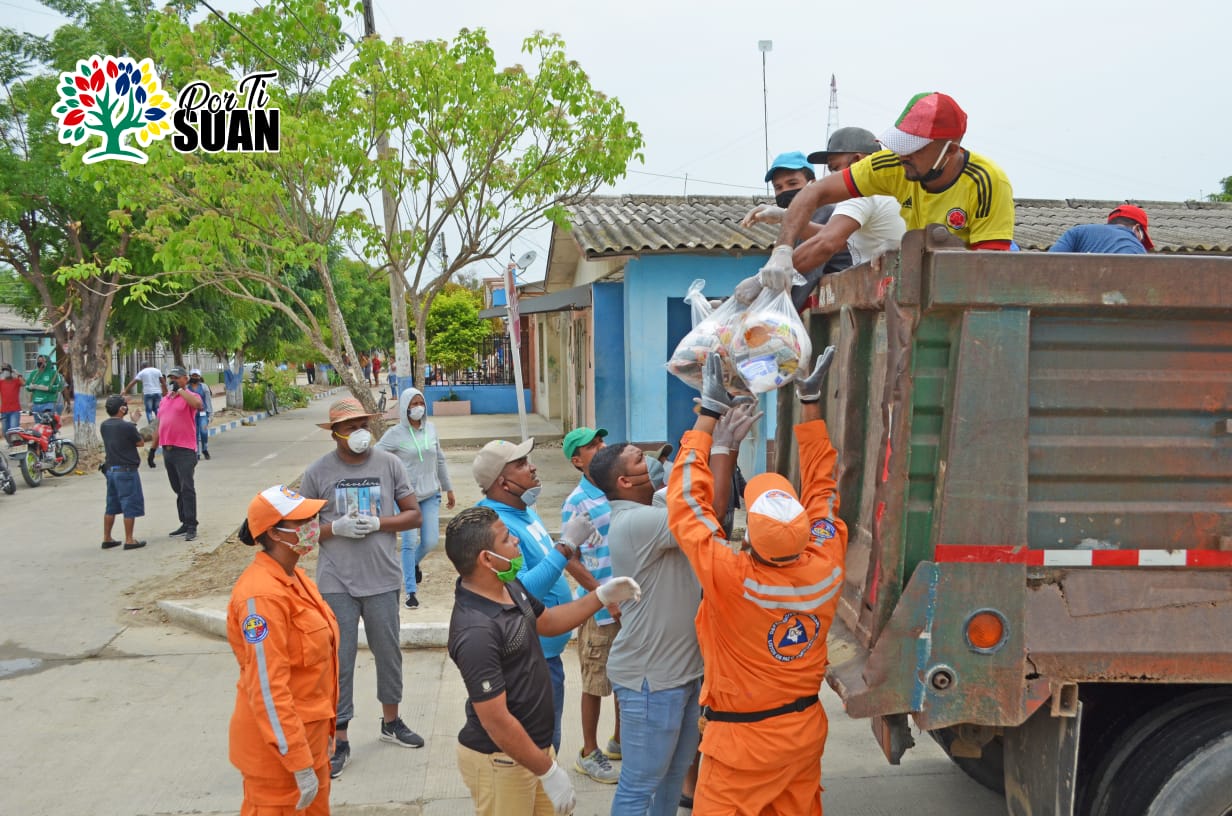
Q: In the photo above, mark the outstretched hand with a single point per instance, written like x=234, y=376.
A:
x=734, y=426
x=808, y=389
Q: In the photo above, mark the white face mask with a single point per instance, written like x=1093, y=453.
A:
x=417, y=412
x=358, y=441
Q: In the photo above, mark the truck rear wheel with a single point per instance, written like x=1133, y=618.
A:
x=988, y=770
x=1179, y=769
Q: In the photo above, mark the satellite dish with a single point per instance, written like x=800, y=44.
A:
x=527, y=258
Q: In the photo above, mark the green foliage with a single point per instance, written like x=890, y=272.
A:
x=454, y=329
x=289, y=394
x=1226, y=194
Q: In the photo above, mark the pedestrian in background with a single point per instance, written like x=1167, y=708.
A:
x=417, y=445
x=596, y=633
x=365, y=365
x=177, y=436
x=392, y=376
x=153, y=389
x=310, y=370
x=122, y=470
x=368, y=501
x=1124, y=234
x=10, y=398
x=285, y=640
x=44, y=384
x=376, y=371
x=197, y=385
x=505, y=751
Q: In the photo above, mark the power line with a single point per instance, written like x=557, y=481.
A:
x=249, y=40
x=697, y=180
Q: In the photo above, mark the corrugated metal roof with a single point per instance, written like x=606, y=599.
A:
x=627, y=225
x=12, y=322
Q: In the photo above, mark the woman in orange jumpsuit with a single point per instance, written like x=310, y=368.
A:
x=765, y=612
x=286, y=641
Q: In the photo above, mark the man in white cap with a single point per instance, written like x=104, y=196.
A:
x=765, y=612
x=196, y=384
x=925, y=168
x=510, y=485
x=368, y=502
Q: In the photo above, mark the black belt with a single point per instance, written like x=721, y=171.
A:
x=129, y=468
x=757, y=716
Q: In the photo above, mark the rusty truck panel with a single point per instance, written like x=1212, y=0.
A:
x=1053, y=402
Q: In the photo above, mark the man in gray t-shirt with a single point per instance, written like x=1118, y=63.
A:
x=655, y=665
x=368, y=502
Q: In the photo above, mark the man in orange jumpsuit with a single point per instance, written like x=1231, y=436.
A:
x=286, y=641
x=765, y=612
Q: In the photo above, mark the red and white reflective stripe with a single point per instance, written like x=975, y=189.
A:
x=954, y=553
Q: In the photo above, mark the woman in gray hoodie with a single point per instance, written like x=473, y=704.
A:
x=415, y=442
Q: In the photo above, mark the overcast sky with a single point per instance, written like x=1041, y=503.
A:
x=1076, y=99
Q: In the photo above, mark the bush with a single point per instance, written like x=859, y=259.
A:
x=289, y=394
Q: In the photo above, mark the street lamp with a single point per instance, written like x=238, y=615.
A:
x=515, y=329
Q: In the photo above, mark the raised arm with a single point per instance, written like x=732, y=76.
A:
x=826, y=190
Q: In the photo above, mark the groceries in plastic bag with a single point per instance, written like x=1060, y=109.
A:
x=716, y=328
x=770, y=344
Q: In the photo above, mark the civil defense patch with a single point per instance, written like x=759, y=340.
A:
x=255, y=628
x=823, y=530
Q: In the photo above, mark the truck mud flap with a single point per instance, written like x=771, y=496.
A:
x=1041, y=764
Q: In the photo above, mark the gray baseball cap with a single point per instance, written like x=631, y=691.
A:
x=177, y=371
x=847, y=140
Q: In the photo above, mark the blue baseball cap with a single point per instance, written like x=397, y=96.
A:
x=795, y=160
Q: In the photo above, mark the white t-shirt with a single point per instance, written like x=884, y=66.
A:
x=149, y=378
x=881, y=226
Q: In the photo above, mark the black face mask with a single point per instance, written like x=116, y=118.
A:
x=42, y=363
x=784, y=198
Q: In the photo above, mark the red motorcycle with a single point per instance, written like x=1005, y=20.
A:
x=44, y=450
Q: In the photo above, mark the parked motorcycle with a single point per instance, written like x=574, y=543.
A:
x=7, y=483
x=44, y=449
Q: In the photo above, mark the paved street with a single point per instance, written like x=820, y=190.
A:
x=111, y=714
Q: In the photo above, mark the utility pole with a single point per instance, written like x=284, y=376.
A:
x=397, y=272
x=763, y=46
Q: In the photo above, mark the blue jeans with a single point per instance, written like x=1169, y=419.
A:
x=203, y=425
x=429, y=533
x=152, y=402
x=12, y=419
x=658, y=739
x=36, y=407
x=556, y=668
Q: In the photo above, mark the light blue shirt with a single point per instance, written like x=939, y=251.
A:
x=589, y=500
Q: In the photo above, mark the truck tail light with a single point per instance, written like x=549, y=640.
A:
x=986, y=630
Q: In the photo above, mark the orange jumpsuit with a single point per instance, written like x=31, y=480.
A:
x=286, y=641
x=762, y=631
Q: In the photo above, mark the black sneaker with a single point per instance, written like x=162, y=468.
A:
x=111, y=542
x=411, y=601
x=134, y=545
x=397, y=733
x=181, y=530
x=206, y=454
x=190, y=534
x=340, y=759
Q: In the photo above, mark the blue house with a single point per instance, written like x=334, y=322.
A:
x=615, y=310
x=22, y=340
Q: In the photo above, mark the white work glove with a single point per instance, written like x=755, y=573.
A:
x=619, y=590
x=734, y=426
x=778, y=273
x=763, y=214
x=306, y=781
x=808, y=389
x=747, y=290
x=355, y=526
x=576, y=532
x=559, y=789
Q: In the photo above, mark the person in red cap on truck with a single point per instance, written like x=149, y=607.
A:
x=925, y=167
x=1124, y=234
x=765, y=611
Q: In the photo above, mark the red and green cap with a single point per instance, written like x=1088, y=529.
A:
x=927, y=117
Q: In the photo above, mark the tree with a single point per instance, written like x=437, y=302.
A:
x=54, y=228
x=455, y=331
x=1226, y=195
x=477, y=153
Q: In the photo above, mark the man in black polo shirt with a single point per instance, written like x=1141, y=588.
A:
x=505, y=749
x=122, y=467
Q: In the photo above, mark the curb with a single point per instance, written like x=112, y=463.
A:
x=198, y=617
x=252, y=419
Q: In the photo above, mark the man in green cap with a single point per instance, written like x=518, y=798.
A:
x=595, y=636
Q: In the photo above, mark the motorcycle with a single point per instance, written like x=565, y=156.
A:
x=44, y=450
x=7, y=483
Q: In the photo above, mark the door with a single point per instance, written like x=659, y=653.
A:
x=680, y=416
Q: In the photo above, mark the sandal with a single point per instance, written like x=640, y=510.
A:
x=108, y=544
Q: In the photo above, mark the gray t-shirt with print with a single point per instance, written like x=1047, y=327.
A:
x=657, y=642
x=358, y=566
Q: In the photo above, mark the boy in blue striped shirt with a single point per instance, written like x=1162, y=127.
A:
x=595, y=636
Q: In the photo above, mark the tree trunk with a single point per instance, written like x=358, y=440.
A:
x=421, y=347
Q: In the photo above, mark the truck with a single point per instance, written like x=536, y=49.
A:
x=1035, y=468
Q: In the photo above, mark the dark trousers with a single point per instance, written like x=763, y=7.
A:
x=181, y=464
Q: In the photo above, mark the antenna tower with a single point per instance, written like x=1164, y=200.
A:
x=832, y=116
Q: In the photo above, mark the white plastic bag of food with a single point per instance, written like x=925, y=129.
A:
x=770, y=344
x=715, y=330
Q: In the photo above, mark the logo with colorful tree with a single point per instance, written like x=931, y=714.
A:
x=113, y=97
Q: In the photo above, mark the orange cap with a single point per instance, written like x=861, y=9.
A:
x=276, y=503
x=777, y=522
